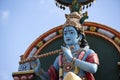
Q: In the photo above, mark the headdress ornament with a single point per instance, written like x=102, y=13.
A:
x=73, y=19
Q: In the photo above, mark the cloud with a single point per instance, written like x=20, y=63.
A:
x=5, y=15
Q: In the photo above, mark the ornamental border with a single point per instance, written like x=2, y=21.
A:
x=93, y=28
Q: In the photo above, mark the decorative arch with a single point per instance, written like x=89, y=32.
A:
x=91, y=28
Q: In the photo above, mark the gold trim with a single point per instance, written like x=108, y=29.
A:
x=23, y=72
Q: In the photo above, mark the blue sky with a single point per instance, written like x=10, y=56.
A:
x=22, y=21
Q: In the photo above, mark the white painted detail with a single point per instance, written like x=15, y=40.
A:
x=107, y=33
x=50, y=36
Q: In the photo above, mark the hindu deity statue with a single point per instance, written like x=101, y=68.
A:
x=77, y=63
x=72, y=58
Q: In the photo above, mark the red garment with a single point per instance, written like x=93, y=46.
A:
x=53, y=73
x=92, y=58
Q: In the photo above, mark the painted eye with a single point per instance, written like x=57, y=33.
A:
x=71, y=32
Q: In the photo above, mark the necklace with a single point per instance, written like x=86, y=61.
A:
x=68, y=66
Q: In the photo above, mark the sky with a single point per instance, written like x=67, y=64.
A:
x=23, y=21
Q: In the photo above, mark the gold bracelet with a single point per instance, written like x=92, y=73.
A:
x=73, y=60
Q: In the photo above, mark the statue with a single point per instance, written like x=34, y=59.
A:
x=77, y=63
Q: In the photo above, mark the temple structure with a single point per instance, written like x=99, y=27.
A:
x=102, y=38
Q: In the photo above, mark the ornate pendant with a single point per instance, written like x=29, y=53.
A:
x=68, y=66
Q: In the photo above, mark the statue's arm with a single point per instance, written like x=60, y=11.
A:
x=36, y=66
x=90, y=64
x=86, y=66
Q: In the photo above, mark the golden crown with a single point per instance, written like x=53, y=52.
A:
x=73, y=19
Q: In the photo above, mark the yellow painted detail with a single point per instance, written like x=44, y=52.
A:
x=23, y=72
x=93, y=29
x=60, y=31
x=76, y=70
x=35, y=65
x=60, y=72
x=117, y=40
x=71, y=76
x=40, y=44
x=74, y=1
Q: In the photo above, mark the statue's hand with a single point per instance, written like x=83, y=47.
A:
x=39, y=71
x=66, y=50
x=36, y=66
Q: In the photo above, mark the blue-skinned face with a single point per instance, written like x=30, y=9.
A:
x=70, y=36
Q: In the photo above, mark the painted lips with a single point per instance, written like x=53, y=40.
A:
x=68, y=39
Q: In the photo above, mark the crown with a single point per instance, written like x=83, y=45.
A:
x=73, y=19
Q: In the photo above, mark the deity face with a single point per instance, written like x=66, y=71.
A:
x=71, y=36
